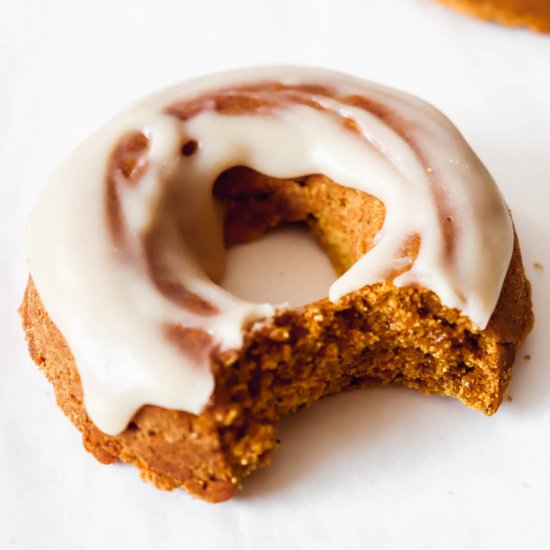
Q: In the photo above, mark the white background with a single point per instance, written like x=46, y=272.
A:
x=381, y=468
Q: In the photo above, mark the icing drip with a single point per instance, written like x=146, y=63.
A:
x=126, y=243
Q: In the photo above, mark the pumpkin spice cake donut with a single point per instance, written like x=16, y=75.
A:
x=533, y=14
x=159, y=366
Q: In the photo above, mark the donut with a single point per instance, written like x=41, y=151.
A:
x=159, y=366
x=533, y=14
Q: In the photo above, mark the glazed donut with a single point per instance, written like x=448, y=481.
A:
x=158, y=365
x=533, y=14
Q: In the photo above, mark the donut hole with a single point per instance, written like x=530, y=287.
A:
x=342, y=220
x=284, y=216
x=284, y=265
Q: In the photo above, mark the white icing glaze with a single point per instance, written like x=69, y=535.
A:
x=109, y=310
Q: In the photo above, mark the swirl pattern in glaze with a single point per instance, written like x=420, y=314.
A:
x=126, y=242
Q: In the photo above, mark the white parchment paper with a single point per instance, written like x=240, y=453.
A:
x=380, y=468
